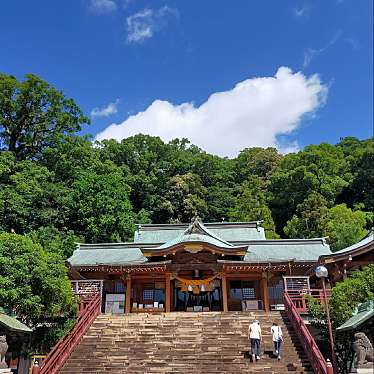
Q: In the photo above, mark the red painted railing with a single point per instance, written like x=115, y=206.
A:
x=311, y=349
x=298, y=297
x=63, y=349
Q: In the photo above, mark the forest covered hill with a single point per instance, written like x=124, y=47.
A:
x=58, y=188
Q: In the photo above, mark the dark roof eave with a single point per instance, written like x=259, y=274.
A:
x=283, y=261
x=343, y=255
x=127, y=264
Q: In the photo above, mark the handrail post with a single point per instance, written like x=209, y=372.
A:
x=330, y=369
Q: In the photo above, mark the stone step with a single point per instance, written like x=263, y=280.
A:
x=213, y=342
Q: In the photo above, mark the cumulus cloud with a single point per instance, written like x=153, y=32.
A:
x=256, y=112
x=103, y=6
x=105, y=111
x=143, y=25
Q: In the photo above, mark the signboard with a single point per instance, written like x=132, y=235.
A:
x=115, y=303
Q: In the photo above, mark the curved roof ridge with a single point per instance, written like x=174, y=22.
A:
x=369, y=238
x=198, y=224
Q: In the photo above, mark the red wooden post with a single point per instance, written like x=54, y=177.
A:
x=167, y=294
x=332, y=346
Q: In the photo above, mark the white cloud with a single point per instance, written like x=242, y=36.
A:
x=103, y=6
x=311, y=53
x=302, y=12
x=354, y=43
x=256, y=112
x=106, y=111
x=144, y=24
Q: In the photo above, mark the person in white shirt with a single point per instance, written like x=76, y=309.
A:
x=277, y=334
x=255, y=337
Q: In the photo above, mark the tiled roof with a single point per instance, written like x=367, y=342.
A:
x=12, y=323
x=362, y=244
x=364, y=312
x=258, y=250
x=368, y=239
x=286, y=250
x=117, y=255
x=228, y=231
x=197, y=232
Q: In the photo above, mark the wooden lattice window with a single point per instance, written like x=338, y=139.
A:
x=296, y=283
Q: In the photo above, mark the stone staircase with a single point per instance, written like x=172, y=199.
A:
x=208, y=343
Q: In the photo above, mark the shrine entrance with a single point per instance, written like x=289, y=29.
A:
x=202, y=298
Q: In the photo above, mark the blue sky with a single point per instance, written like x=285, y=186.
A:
x=225, y=74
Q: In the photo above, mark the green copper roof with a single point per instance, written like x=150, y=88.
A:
x=363, y=312
x=286, y=250
x=258, y=250
x=227, y=231
x=368, y=239
x=107, y=256
x=197, y=232
x=12, y=323
x=195, y=238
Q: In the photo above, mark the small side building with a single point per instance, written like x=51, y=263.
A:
x=16, y=334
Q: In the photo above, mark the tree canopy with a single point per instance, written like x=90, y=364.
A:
x=33, y=115
x=34, y=283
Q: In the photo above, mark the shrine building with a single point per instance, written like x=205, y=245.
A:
x=201, y=267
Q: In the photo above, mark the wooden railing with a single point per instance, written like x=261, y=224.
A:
x=63, y=349
x=299, y=301
x=316, y=359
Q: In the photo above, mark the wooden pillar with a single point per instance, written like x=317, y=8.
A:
x=224, y=293
x=167, y=293
x=128, y=294
x=265, y=292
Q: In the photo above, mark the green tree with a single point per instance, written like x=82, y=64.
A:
x=62, y=242
x=185, y=198
x=33, y=115
x=346, y=295
x=344, y=226
x=261, y=162
x=310, y=218
x=220, y=200
x=322, y=169
x=100, y=207
x=30, y=197
x=361, y=190
x=34, y=284
x=70, y=156
x=251, y=205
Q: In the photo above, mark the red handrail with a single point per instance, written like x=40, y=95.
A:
x=298, y=297
x=66, y=345
x=311, y=349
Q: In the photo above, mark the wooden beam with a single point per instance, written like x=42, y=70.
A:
x=167, y=293
x=224, y=293
x=265, y=292
x=128, y=295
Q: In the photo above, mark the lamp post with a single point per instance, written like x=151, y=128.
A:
x=322, y=273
